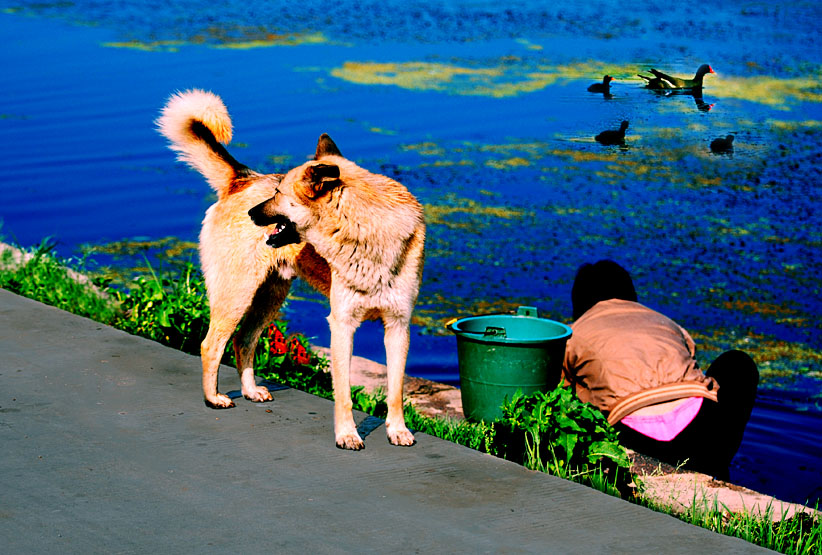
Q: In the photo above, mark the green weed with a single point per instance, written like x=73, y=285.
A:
x=372, y=402
x=41, y=276
x=557, y=433
x=171, y=309
x=801, y=534
x=478, y=436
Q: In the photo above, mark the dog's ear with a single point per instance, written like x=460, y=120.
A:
x=319, y=179
x=326, y=147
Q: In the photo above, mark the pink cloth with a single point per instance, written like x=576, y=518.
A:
x=666, y=426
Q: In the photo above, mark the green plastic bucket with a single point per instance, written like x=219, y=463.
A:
x=502, y=353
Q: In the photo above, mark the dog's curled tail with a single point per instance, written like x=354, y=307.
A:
x=196, y=122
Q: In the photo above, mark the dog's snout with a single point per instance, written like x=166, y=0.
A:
x=259, y=216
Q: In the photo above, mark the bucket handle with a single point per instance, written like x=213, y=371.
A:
x=528, y=311
x=490, y=331
x=495, y=331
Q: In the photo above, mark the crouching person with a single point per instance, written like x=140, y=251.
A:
x=638, y=367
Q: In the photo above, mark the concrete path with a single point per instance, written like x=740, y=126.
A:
x=108, y=448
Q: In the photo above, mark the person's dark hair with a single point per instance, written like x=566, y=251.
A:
x=601, y=281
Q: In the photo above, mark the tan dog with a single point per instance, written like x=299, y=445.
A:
x=371, y=231
x=247, y=280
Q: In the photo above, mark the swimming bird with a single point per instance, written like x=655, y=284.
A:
x=721, y=144
x=656, y=83
x=613, y=136
x=665, y=81
x=603, y=87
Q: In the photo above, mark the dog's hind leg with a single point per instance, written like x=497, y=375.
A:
x=342, y=344
x=267, y=301
x=397, y=339
x=220, y=328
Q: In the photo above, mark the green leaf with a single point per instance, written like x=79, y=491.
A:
x=609, y=450
x=565, y=422
x=164, y=319
x=568, y=442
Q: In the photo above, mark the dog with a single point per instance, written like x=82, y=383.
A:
x=371, y=231
x=246, y=279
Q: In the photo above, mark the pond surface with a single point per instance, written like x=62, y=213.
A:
x=481, y=110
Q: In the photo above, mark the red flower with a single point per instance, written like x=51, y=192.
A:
x=297, y=351
x=276, y=340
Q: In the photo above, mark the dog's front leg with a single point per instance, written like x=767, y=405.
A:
x=397, y=339
x=342, y=344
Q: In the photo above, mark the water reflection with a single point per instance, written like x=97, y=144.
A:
x=699, y=101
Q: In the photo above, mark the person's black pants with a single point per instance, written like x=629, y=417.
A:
x=712, y=439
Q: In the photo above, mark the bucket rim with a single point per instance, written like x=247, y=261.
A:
x=452, y=326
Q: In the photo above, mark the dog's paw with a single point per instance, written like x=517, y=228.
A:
x=350, y=441
x=219, y=401
x=401, y=437
x=258, y=394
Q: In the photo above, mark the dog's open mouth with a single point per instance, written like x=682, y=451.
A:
x=285, y=233
x=283, y=230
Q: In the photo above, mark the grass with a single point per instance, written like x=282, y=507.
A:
x=173, y=311
x=39, y=275
x=551, y=432
x=798, y=534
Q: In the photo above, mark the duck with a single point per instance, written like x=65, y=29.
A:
x=613, y=136
x=655, y=83
x=665, y=81
x=723, y=144
x=603, y=87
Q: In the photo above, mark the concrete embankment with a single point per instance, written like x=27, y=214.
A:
x=107, y=447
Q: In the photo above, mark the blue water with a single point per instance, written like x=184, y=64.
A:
x=481, y=110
